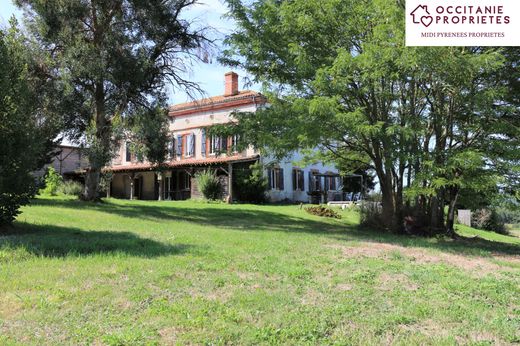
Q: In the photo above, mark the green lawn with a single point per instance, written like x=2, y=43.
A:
x=136, y=272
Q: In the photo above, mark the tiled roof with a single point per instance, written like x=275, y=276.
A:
x=216, y=102
x=182, y=163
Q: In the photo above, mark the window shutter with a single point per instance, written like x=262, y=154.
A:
x=310, y=181
x=280, y=172
x=294, y=179
x=203, y=143
x=327, y=180
x=179, y=146
x=269, y=179
x=171, y=148
x=193, y=144
x=301, y=183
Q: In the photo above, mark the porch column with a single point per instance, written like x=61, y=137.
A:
x=160, y=180
x=132, y=192
x=230, y=183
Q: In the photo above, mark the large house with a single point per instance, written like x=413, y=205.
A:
x=192, y=150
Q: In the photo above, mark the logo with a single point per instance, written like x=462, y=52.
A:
x=421, y=15
x=462, y=22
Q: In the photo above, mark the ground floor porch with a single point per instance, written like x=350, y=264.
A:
x=171, y=183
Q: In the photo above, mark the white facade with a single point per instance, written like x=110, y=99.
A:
x=289, y=191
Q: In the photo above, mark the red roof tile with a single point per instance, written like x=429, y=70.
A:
x=182, y=163
x=216, y=102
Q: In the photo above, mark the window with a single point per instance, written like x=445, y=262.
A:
x=179, y=146
x=217, y=144
x=234, y=143
x=314, y=182
x=129, y=155
x=203, y=143
x=275, y=178
x=298, y=180
x=185, y=181
x=330, y=183
x=171, y=148
x=189, y=149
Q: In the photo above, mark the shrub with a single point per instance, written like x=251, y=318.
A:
x=320, y=210
x=489, y=220
x=104, y=182
x=10, y=204
x=508, y=215
x=370, y=215
x=209, y=185
x=250, y=184
x=71, y=187
x=52, y=181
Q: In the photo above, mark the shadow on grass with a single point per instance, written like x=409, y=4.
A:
x=250, y=219
x=56, y=242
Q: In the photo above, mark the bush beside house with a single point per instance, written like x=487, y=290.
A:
x=250, y=185
x=209, y=185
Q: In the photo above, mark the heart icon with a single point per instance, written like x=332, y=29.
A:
x=426, y=20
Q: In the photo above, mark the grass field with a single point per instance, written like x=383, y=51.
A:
x=136, y=272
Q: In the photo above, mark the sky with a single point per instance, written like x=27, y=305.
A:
x=210, y=77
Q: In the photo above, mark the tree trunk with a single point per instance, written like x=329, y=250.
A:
x=91, y=184
x=99, y=153
x=437, y=213
x=454, y=194
x=388, y=212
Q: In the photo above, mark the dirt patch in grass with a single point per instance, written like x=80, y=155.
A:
x=483, y=338
x=312, y=297
x=388, y=282
x=429, y=328
x=169, y=335
x=476, y=265
x=344, y=287
x=10, y=307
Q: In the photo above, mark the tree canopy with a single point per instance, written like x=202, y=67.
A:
x=29, y=123
x=113, y=57
x=429, y=121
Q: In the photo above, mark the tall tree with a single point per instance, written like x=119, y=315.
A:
x=113, y=56
x=28, y=125
x=338, y=76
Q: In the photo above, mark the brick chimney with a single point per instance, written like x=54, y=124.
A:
x=231, y=84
